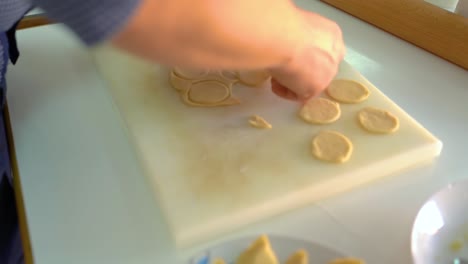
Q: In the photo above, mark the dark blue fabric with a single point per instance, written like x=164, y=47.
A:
x=11, y=251
x=3, y=60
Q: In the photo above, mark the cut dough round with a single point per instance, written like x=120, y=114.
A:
x=253, y=78
x=320, y=111
x=378, y=121
x=331, y=146
x=208, y=92
x=347, y=91
x=190, y=73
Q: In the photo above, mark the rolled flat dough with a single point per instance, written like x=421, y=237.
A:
x=347, y=91
x=299, y=257
x=378, y=121
x=320, y=111
x=210, y=91
x=331, y=146
x=260, y=252
x=259, y=122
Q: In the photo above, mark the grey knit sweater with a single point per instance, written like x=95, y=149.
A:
x=92, y=20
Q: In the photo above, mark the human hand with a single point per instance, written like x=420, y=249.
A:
x=315, y=62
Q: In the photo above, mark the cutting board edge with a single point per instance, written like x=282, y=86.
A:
x=271, y=208
x=401, y=111
x=184, y=241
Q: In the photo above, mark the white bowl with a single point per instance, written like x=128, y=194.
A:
x=283, y=247
x=440, y=230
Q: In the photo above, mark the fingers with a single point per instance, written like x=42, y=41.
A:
x=282, y=91
x=315, y=63
x=286, y=93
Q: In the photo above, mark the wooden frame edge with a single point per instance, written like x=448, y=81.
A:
x=30, y=21
x=426, y=26
x=22, y=219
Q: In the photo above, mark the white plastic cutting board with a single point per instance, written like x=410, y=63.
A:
x=213, y=173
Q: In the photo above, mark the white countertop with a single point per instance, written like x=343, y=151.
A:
x=87, y=200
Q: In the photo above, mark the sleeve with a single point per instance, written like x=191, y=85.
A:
x=93, y=21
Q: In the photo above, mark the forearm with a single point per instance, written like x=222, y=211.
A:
x=213, y=34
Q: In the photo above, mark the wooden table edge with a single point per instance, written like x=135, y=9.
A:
x=422, y=24
x=28, y=21
x=22, y=218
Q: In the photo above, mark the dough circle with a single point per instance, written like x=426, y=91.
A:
x=208, y=92
x=320, y=111
x=253, y=78
x=347, y=91
x=332, y=147
x=378, y=121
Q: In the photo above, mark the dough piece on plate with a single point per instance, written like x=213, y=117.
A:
x=331, y=146
x=320, y=111
x=259, y=122
x=347, y=261
x=378, y=121
x=260, y=252
x=209, y=93
x=347, y=91
x=253, y=78
x=299, y=257
x=218, y=261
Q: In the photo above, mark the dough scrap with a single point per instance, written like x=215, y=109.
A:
x=211, y=88
x=299, y=257
x=208, y=92
x=378, y=121
x=331, y=146
x=213, y=91
x=259, y=252
x=320, y=111
x=348, y=91
x=253, y=78
x=190, y=73
x=347, y=261
x=259, y=122
x=179, y=83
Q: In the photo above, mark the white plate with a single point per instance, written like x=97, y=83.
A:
x=283, y=247
x=441, y=222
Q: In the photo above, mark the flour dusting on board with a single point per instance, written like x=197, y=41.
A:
x=212, y=173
